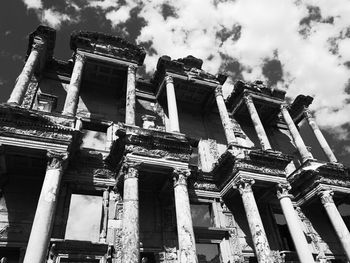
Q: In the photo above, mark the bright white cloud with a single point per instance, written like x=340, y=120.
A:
x=54, y=18
x=33, y=4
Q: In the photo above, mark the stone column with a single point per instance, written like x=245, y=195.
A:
x=72, y=99
x=186, y=239
x=172, y=106
x=130, y=224
x=259, y=128
x=105, y=207
x=24, y=78
x=337, y=221
x=298, y=141
x=261, y=245
x=319, y=136
x=294, y=224
x=40, y=234
x=130, y=96
x=225, y=118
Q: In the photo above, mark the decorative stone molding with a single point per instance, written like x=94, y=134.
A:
x=283, y=190
x=326, y=196
x=56, y=160
x=180, y=176
x=131, y=169
x=244, y=185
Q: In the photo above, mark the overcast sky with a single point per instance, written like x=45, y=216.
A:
x=300, y=46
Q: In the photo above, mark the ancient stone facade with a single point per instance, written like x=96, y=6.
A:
x=100, y=165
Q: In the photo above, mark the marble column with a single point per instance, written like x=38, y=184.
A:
x=261, y=245
x=186, y=239
x=130, y=224
x=336, y=220
x=294, y=224
x=105, y=207
x=172, y=105
x=24, y=78
x=225, y=118
x=298, y=141
x=72, y=99
x=319, y=136
x=130, y=96
x=259, y=128
x=40, y=234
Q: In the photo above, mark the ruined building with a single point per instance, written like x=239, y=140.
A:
x=98, y=165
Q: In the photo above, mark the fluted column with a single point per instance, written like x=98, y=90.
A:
x=187, y=243
x=40, y=234
x=294, y=224
x=259, y=128
x=337, y=221
x=130, y=96
x=319, y=136
x=72, y=99
x=130, y=225
x=261, y=245
x=225, y=118
x=105, y=205
x=298, y=141
x=24, y=78
x=172, y=106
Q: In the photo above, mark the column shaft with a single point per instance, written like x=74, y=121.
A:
x=319, y=136
x=130, y=225
x=24, y=78
x=337, y=221
x=40, y=234
x=172, y=106
x=130, y=96
x=72, y=99
x=298, y=141
x=186, y=239
x=103, y=234
x=261, y=245
x=225, y=118
x=294, y=224
x=259, y=128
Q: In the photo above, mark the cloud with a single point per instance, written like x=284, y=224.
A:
x=54, y=18
x=33, y=4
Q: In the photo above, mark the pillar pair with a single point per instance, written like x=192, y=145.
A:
x=40, y=234
x=130, y=225
x=261, y=246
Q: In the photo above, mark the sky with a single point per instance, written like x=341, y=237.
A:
x=300, y=46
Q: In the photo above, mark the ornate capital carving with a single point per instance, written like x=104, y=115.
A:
x=56, y=160
x=132, y=69
x=131, y=169
x=308, y=114
x=248, y=99
x=244, y=185
x=284, y=107
x=326, y=196
x=283, y=190
x=80, y=57
x=218, y=91
x=169, y=79
x=38, y=44
x=180, y=176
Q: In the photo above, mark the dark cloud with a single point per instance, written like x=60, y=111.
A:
x=134, y=24
x=234, y=33
x=273, y=71
x=148, y=47
x=231, y=67
x=168, y=11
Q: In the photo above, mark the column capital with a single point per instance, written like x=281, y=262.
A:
x=247, y=98
x=56, y=160
x=218, y=91
x=244, y=185
x=308, y=114
x=132, y=69
x=79, y=57
x=131, y=169
x=169, y=79
x=283, y=190
x=326, y=196
x=39, y=43
x=180, y=176
x=284, y=106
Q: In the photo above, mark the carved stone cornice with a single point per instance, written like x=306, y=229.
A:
x=244, y=185
x=56, y=160
x=283, y=190
x=180, y=176
x=326, y=196
x=218, y=91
